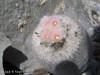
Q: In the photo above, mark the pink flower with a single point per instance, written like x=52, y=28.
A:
x=55, y=22
x=45, y=21
x=45, y=35
x=56, y=36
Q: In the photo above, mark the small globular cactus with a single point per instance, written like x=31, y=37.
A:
x=58, y=38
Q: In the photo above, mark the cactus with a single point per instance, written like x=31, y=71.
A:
x=71, y=44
